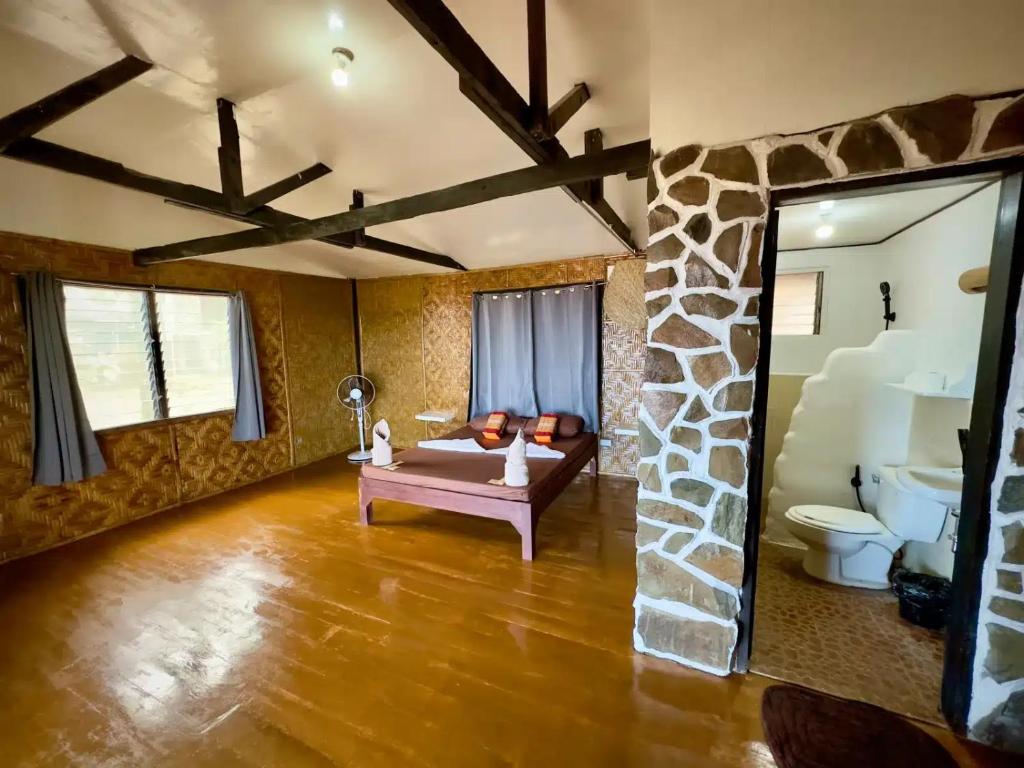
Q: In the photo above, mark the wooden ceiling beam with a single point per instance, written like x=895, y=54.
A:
x=567, y=106
x=284, y=186
x=572, y=171
x=56, y=157
x=593, y=142
x=229, y=156
x=35, y=117
x=537, y=52
x=484, y=84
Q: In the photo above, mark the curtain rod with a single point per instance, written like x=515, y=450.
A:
x=138, y=287
x=555, y=287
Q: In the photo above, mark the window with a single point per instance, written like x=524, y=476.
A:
x=141, y=355
x=797, y=307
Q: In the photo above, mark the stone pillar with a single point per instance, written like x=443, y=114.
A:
x=706, y=208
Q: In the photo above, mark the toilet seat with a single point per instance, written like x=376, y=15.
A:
x=837, y=519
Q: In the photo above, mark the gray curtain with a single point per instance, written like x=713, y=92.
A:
x=249, y=422
x=537, y=351
x=64, y=448
x=503, y=354
x=565, y=352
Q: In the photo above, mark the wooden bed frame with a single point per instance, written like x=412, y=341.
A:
x=524, y=515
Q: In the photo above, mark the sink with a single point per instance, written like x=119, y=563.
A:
x=941, y=484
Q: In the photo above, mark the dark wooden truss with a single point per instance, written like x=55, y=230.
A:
x=17, y=142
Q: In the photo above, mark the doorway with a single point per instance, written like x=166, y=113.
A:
x=858, y=378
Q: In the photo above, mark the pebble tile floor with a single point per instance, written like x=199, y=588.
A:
x=845, y=641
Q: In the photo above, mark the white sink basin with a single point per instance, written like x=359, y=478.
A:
x=941, y=484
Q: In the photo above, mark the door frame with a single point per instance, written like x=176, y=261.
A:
x=1006, y=272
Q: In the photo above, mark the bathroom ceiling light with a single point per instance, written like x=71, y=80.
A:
x=826, y=205
x=335, y=23
x=824, y=231
x=342, y=57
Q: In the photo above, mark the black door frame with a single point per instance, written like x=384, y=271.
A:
x=1006, y=271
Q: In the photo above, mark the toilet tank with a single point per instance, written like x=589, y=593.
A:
x=910, y=517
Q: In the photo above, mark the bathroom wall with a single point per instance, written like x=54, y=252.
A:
x=851, y=308
x=783, y=395
x=921, y=265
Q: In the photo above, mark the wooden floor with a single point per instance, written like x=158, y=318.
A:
x=266, y=628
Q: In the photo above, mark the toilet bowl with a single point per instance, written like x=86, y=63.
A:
x=844, y=546
x=855, y=549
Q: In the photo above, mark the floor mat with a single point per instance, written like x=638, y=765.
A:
x=806, y=729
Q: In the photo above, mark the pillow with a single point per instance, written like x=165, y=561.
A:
x=568, y=425
x=495, y=426
x=547, y=428
x=514, y=424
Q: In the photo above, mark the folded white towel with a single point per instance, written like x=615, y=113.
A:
x=381, y=450
x=517, y=474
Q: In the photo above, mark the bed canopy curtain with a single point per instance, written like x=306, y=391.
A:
x=64, y=447
x=536, y=351
x=250, y=423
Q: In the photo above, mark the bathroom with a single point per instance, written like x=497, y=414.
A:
x=877, y=324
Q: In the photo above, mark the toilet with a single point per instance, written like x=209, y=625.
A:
x=855, y=549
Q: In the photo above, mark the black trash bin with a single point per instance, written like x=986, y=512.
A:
x=924, y=600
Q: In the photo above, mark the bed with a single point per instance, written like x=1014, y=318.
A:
x=457, y=482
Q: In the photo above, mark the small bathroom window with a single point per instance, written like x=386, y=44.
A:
x=797, y=308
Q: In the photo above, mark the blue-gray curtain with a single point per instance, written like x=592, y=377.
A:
x=565, y=352
x=245, y=371
x=503, y=354
x=537, y=351
x=64, y=447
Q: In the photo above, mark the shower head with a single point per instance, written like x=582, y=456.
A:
x=884, y=288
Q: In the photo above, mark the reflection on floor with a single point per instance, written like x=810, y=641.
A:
x=265, y=627
x=841, y=640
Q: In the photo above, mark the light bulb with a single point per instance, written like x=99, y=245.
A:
x=826, y=205
x=824, y=231
x=339, y=77
x=335, y=22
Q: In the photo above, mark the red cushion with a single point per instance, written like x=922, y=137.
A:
x=515, y=423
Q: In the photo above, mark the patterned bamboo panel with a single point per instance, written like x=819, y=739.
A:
x=154, y=466
x=391, y=324
x=320, y=350
x=537, y=275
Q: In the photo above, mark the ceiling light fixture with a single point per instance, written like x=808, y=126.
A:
x=335, y=23
x=826, y=205
x=824, y=231
x=342, y=57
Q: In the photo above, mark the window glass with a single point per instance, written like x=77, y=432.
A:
x=112, y=355
x=196, y=353
x=797, y=307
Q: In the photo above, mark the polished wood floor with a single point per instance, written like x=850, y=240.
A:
x=266, y=628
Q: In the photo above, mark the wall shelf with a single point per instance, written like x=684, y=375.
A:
x=946, y=394
x=437, y=417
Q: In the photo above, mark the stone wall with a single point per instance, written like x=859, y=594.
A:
x=997, y=705
x=707, y=209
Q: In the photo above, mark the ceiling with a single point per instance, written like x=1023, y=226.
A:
x=865, y=220
x=401, y=127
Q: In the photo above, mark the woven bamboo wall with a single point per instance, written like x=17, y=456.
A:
x=161, y=464
x=320, y=350
x=416, y=339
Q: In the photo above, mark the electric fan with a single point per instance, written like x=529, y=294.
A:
x=356, y=393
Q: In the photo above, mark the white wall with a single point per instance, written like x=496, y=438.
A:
x=922, y=266
x=726, y=70
x=851, y=311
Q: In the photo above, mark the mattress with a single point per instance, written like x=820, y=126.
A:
x=469, y=472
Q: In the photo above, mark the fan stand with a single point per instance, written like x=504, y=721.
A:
x=362, y=455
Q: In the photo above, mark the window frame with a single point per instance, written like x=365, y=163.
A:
x=819, y=318
x=152, y=329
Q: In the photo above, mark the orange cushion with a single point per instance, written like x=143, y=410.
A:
x=547, y=428
x=495, y=426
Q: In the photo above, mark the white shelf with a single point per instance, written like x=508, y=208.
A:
x=627, y=432
x=922, y=393
x=438, y=417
